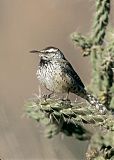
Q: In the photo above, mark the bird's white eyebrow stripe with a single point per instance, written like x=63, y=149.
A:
x=51, y=50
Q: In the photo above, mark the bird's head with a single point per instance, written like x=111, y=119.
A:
x=49, y=53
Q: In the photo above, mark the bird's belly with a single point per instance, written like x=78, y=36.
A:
x=53, y=80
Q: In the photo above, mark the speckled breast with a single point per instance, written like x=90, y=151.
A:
x=52, y=77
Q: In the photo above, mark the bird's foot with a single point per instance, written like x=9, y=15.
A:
x=47, y=96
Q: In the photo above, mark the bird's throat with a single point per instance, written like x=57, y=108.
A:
x=44, y=62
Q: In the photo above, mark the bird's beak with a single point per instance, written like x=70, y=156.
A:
x=37, y=52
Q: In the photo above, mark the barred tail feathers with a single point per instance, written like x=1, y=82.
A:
x=94, y=102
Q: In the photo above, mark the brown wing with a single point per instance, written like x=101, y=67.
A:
x=68, y=69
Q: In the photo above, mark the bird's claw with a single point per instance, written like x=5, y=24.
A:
x=46, y=96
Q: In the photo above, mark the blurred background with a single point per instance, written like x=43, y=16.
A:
x=27, y=25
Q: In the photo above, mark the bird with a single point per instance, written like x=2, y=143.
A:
x=57, y=74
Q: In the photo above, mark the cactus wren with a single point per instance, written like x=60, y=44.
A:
x=57, y=75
